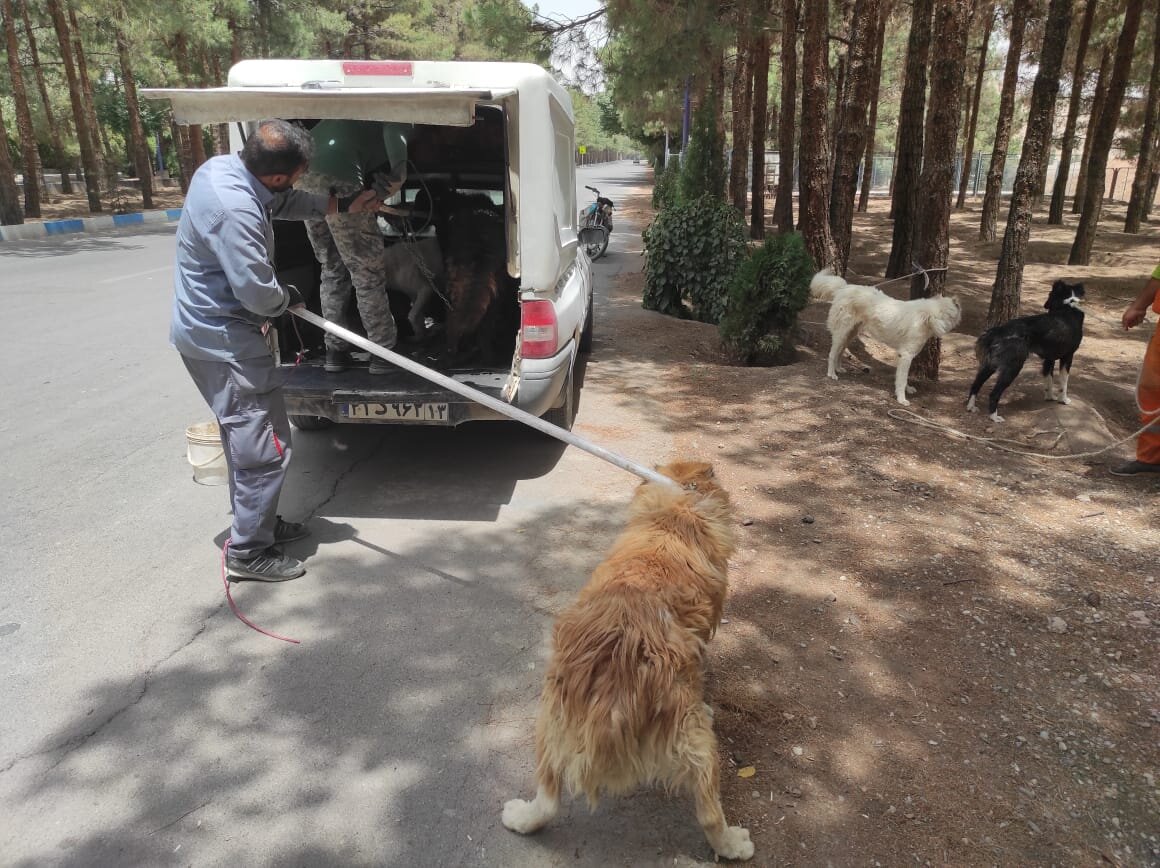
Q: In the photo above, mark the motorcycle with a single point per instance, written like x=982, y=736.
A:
x=596, y=225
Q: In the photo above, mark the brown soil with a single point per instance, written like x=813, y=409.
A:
x=886, y=666
x=57, y=206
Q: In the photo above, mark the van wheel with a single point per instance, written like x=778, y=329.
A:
x=564, y=416
x=310, y=423
x=586, y=332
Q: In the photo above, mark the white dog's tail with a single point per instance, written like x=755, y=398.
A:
x=825, y=285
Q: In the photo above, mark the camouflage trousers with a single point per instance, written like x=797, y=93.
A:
x=350, y=250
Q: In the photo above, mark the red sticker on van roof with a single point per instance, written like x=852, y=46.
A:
x=377, y=67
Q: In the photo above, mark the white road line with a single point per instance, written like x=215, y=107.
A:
x=138, y=274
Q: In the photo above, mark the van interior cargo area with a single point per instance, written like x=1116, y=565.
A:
x=455, y=304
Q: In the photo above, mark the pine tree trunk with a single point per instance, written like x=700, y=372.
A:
x=813, y=174
x=840, y=76
x=88, y=100
x=1098, y=100
x=49, y=115
x=1144, y=159
x=222, y=134
x=11, y=214
x=1005, y=294
x=950, y=28
x=758, y=126
x=908, y=154
x=994, y=190
x=787, y=118
x=742, y=117
x=1059, y=189
x=28, y=146
x=84, y=134
x=851, y=138
x=180, y=155
x=1085, y=235
x=236, y=41
x=973, y=122
x=872, y=124
x=137, y=143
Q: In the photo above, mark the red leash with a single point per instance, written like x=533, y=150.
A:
x=234, y=606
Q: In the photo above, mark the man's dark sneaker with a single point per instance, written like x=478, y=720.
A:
x=1135, y=468
x=288, y=531
x=270, y=565
x=337, y=361
x=380, y=366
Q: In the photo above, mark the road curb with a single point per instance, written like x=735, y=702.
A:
x=102, y=223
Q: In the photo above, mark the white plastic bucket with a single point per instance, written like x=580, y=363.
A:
x=206, y=456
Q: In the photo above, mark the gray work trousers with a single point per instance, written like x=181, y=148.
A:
x=246, y=397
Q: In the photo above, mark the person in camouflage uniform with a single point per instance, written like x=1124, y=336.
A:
x=350, y=156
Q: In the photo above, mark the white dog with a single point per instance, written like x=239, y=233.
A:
x=904, y=325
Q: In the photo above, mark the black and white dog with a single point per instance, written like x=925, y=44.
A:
x=1053, y=336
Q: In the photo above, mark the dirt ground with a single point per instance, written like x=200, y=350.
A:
x=58, y=206
x=887, y=687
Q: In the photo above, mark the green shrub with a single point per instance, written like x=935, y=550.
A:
x=665, y=186
x=703, y=167
x=693, y=249
x=768, y=292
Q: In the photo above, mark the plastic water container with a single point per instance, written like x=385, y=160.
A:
x=206, y=455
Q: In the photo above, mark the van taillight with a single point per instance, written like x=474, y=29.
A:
x=538, y=328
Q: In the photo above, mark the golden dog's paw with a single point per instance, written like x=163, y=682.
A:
x=735, y=844
x=521, y=816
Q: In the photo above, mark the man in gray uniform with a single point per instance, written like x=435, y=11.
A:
x=348, y=155
x=225, y=295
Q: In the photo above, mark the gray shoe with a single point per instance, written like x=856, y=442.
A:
x=270, y=565
x=289, y=531
x=1135, y=468
x=380, y=366
x=336, y=362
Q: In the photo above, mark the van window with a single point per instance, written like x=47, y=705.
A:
x=564, y=194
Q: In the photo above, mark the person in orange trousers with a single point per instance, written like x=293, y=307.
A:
x=1148, y=442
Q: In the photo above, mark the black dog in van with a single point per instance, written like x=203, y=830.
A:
x=480, y=293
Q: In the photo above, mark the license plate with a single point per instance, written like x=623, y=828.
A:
x=398, y=411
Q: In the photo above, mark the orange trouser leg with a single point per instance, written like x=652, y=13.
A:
x=1148, y=443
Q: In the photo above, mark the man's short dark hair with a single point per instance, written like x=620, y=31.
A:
x=277, y=148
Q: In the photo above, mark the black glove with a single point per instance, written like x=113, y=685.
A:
x=294, y=295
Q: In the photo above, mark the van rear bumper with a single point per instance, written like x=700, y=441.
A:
x=542, y=381
x=400, y=397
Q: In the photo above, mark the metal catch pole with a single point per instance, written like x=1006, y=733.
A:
x=508, y=410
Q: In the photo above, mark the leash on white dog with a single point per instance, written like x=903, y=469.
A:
x=925, y=272
x=514, y=413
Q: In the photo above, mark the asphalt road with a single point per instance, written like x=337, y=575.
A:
x=142, y=724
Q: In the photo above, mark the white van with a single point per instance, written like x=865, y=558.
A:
x=503, y=130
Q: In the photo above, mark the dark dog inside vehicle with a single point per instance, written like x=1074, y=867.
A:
x=1053, y=336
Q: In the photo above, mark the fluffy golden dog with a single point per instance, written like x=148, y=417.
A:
x=622, y=703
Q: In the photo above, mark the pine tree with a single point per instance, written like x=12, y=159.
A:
x=814, y=179
x=992, y=195
x=908, y=153
x=1085, y=235
x=951, y=24
x=1005, y=294
x=1059, y=189
x=28, y=146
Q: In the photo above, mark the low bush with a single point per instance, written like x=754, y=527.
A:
x=693, y=249
x=767, y=293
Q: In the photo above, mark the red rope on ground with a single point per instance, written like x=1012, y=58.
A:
x=234, y=606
